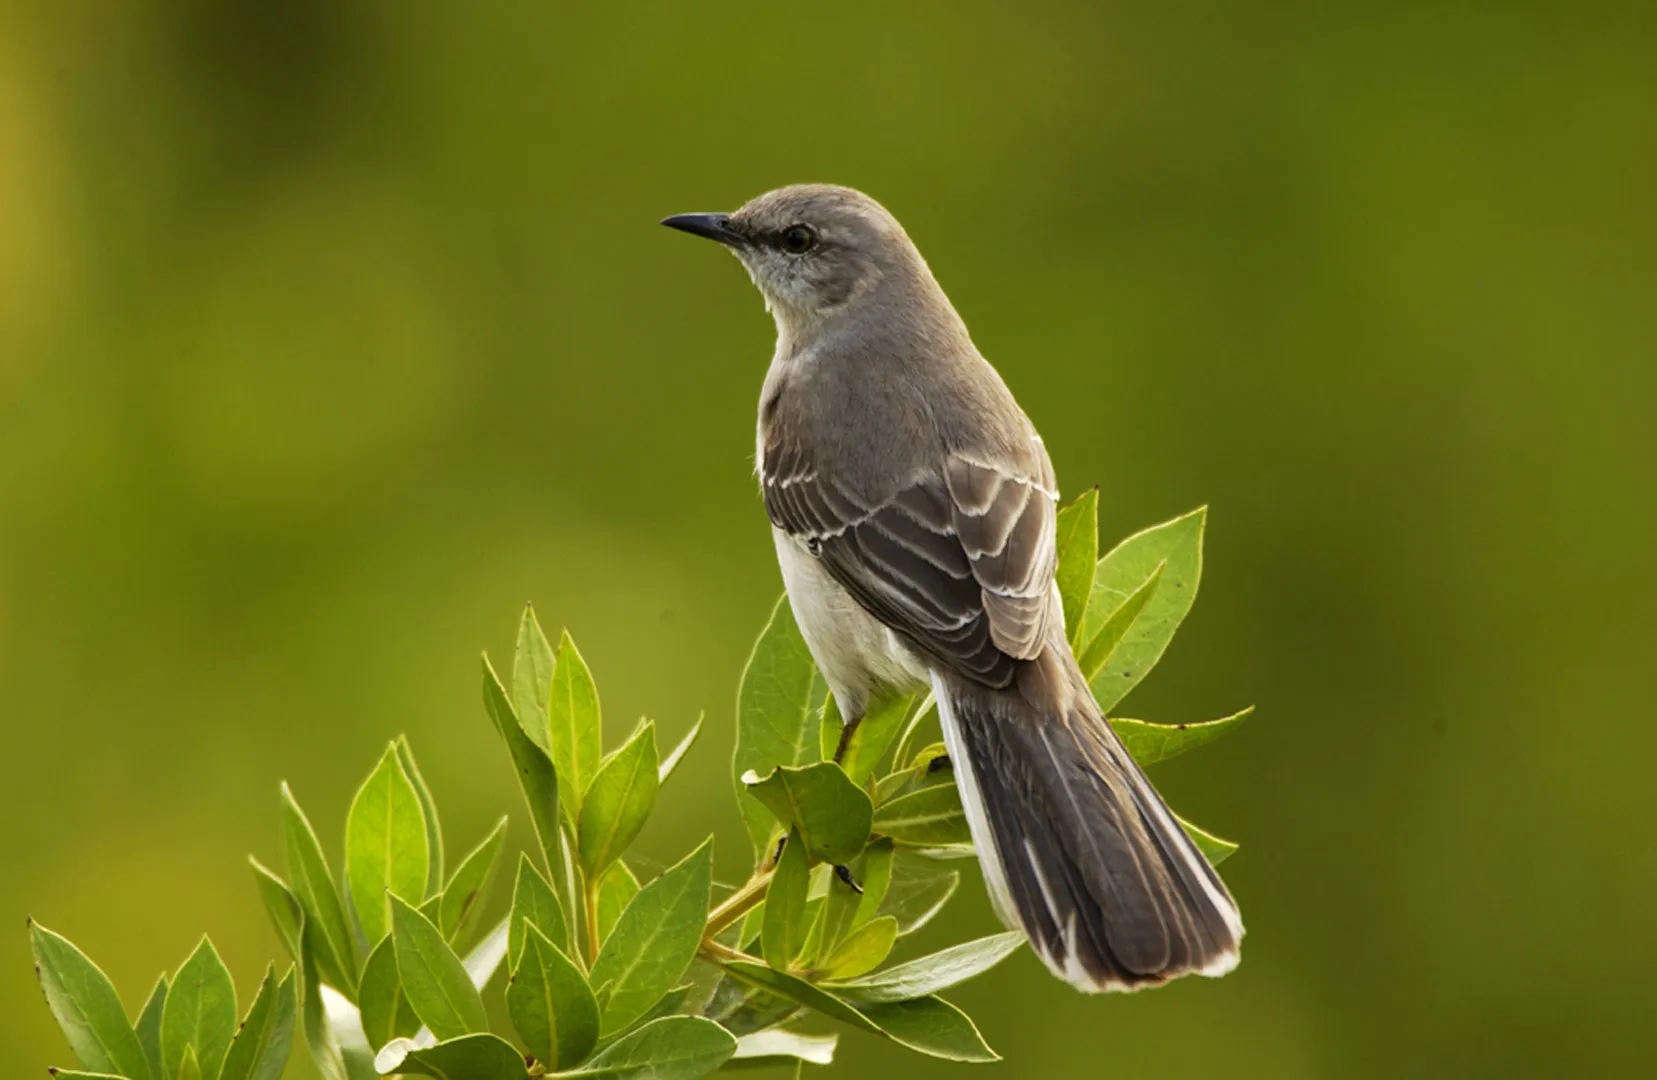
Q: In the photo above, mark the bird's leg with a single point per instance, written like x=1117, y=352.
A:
x=846, y=736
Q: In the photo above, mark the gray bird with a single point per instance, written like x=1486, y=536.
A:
x=912, y=505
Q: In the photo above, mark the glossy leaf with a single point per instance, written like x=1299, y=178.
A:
x=86, y=1006
x=533, y=666
x=286, y=913
x=551, y=1006
x=436, y=982
x=654, y=941
x=932, y=974
x=537, y=777
x=428, y=814
x=784, y=930
x=931, y=1026
x=576, y=727
x=778, y=713
x=1077, y=533
x=799, y=990
x=618, y=801
x=671, y=1048
x=1213, y=848
x=534, y=901
x=1178, y=544
x=1093, y=656
x=872, y=737
x=672, y=760
x=780, y=1046
x=860, y=951
x=832, y=813
x=386, y=1012
x=313, y=883
x=616, y=890
x=933, y=815
x=468, y=1057
x=200, y=1012
x=260, y=1048
x=919, y=889
x=148, y=1025
x=1151, y=743
x=463, y=896
x=385, y=845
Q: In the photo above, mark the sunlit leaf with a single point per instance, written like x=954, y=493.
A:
x=286, y=912
x=428, y=813
x=1077, y=538
x=313, y=883
x=860, y=951
x=468, y=1057
x=436, y=982
x=930, y=816
x=831, y=812
x=1093, y=656
x=1151, y=743
x=1178, y=544
x=919, y=889
x=200, y=1012
x=148, y=1025
x=1213, y=848
x=385, y=845
x=618, y=801
x=931, y=1026
x=536, y=776
x=654, y=940
x=86, y=1006
x=932, y=974
x=778, y=712
x=875, y=879
x=576, y=729
x=532, y=672
x=386, y=1012
x=616, y=890
x=872, y=737
x=672, y=760
x=463, y=896
x=779, y=1046
x=671, y=1048
x=260, y=1048
x=188, y=1067
x=552, y=1007
x=534, y=901
x=784, y=931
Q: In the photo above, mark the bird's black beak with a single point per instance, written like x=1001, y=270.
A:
x=713, y=226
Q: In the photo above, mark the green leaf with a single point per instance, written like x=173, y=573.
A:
x=148, y=1025
x=873, y=737
x=1177, y=543
x=618, y=801
x=875, y=879
x=1093, y=656
x=469, y=1057
x=200, y=1012
x=616, y=890
x=386, y=1012
x=385, y=845
x=860, y=951
x=576, y=725
x=487, y=956
x=837, y=917
x=931, y=974
x=1077, y=533
x=655, y=940
x=536, y=776
x=533, y=666
x=534, y=901
x=672, y=760
x=320, y=1038
x=433, y=977
x=798, y=990
x=86, y=1006
x=923, y=721
x=671, y=1048
x=428, y=812
x=260, y=1048
x=464, y=894
x=552, y=1007
x=932, y=815
x=832, y=813
x=1214, y=849
x=931, y=1026
x=70, y=1074
x=286, y=913
x=779, y=1046
x=919, y=889
x=778, y=712
x=1150, y=743
x=188, y=1067
x=784, y=930
x=314, y=885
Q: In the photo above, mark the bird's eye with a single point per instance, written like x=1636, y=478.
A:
x=798, y=239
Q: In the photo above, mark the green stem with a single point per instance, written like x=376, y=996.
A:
x=738, y=904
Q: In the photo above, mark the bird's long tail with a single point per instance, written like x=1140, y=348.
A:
x=1077, y=848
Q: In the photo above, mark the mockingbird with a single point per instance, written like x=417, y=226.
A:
x=912, y=506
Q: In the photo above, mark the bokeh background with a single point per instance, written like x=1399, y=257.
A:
x=331, y=333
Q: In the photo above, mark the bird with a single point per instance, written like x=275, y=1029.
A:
x=912, y=506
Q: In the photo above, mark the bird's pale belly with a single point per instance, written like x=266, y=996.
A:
x=856, y=653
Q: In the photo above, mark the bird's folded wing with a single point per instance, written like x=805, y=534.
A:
x=960, y=562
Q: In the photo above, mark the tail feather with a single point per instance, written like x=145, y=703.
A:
x=1078, y=849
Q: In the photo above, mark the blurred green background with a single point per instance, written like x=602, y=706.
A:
x=331, y=333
